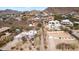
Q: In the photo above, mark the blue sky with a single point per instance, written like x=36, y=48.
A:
x=23, y=8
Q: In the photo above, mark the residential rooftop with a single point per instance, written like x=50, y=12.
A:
x=4, y=29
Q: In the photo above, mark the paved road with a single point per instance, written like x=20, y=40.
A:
x=42, y=40
x=42, y=37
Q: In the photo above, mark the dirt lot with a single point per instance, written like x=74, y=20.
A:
x=53, y=41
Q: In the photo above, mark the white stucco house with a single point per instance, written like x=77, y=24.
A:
x=28, y=35
x=54, y=25
x=66, y=22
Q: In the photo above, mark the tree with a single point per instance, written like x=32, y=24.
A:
x=39, y=25
x=24, y=18
x=58, y=17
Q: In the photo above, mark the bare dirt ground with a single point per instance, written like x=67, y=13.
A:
x=51, y=43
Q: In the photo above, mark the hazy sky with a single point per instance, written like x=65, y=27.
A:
x=23, y=8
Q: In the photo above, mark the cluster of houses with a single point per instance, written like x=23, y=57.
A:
x=56, y=25
x=58, y=35
x=26, y=34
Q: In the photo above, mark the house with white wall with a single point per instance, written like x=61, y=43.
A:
x=28, y=35
x=54, y=25
x=66, y=22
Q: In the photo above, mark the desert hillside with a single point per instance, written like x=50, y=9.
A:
x=62, y=10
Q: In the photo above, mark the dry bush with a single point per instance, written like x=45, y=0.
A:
x=65, y=46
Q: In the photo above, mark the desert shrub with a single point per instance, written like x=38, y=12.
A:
x=13, y=47
x=24, y=40
x=5, y=40
x=76, y=26
x=38, y=48
x=1, y=34
x=21, y=49
x=45, y=47
x=64, y=46
x=13, y=29
x=58, y=17
x=39, y=25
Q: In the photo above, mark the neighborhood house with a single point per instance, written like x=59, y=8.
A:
x=66, y=22
x=54, y=25
x=28, y=35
